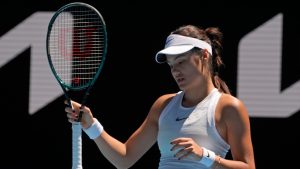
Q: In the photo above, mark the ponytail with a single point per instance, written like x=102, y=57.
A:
x=220, y=84
x=215, y=36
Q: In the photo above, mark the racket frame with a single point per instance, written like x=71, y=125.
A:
x=76, y=126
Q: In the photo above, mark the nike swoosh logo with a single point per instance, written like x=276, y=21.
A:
x=179, y=119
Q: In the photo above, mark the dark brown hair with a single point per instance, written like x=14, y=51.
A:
x=213, y=36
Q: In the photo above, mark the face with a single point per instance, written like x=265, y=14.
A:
x=185, y=69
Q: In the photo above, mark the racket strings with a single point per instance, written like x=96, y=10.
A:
x=77, y=44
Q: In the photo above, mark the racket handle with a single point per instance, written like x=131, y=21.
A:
x=76, y=146
x=79, y=116
x=80, y=113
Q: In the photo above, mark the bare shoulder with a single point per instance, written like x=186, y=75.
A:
x=162, y=101
x=229, y=100
x=160, y=104
x=232, y=108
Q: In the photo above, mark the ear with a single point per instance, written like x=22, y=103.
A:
x=205, y=54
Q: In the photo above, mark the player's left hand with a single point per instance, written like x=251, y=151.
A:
x=186, y=148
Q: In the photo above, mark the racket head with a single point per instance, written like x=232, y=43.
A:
x=76, y=45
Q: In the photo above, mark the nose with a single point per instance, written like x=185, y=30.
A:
x=175, y=72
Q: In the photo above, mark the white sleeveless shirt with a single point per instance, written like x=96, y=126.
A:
x=194, y=122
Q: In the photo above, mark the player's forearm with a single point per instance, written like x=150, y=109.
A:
x=221, y=163
x=114, y=150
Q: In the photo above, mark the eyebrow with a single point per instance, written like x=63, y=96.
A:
x=176, y=57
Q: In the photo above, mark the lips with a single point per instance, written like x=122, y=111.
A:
x=179, y=79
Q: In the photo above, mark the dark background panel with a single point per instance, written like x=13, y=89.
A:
x=131, y=81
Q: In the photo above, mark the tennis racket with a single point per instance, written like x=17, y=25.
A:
x=76, y=49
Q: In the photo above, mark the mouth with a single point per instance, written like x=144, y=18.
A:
x=180, y=79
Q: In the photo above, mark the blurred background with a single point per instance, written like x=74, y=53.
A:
x=261, y=56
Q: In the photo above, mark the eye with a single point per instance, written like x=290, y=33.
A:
x=179, y=62
x=170, y=65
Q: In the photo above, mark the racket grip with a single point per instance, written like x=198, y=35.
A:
x=79, y=116
x=80, y=113
x=71, y=106
x=76, y=146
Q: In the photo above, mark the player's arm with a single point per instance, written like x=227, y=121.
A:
x=238, y=135
x=124, y=155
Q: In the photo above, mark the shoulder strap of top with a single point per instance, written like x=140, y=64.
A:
x=212, y=107
x=170, y=105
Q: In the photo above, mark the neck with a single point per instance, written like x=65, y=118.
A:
x=193, y=96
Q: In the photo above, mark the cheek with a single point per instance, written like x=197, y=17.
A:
x=190, y=71
x=198, y=66
x=192, y=66
x=195, y=72
x=198, y=63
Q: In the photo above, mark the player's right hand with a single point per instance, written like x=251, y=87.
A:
x=73, y=114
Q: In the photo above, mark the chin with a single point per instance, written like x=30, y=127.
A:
x=182, y=87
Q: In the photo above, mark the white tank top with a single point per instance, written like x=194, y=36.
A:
x=195, y=122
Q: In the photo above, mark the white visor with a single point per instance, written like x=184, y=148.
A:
x=178, y=44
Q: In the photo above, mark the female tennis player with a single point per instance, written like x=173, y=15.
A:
x=195, y=127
